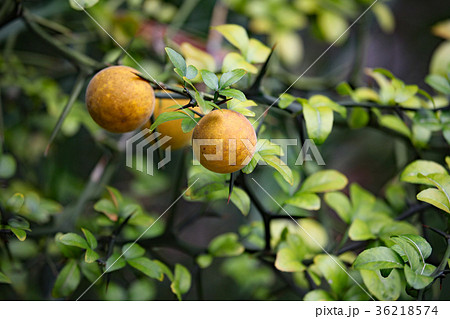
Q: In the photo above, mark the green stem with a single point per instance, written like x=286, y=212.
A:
x=444, y=260
x=79, y=83
x=100, y=176
x=181, y=16
x=80, y=60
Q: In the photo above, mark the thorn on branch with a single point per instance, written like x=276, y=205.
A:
x=256, y=86
x=438, y=231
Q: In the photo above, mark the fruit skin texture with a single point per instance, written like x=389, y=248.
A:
x=118, y=100
x=225, y=125
x=173, y=129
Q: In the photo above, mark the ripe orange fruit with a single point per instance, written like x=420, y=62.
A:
x=118, y=100
x=233, y=140
x=172, y=129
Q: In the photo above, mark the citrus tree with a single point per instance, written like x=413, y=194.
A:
x=331, y=186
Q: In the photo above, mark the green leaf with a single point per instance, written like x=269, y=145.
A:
x=340, y=204
x=4, y=279
x=92, y=242
x=387, y=91
x=147, y=267
x=280, y=166
x=384, y=17
x=394, y=123
x=235, y=94
x=411, y=173
x=359, y=117
x=191, y=72
x=313, y=234
x=72, y=239
x=406, y=92
x=204, y=260
x=168, y=116
x=242, y=107
x=257, y=52
x=285, y=100
x=384, y=72
x=324, y=181
x=439, y=83
x=115, y=262
x=415, y=256
x=362, y=201
x=106, y=206
x=365, y=94
x=132, y=250
x=204, y=107
x=19, y=222
x=288, y=260
x=287, y=188
x=396, y=196
x=332, y=26
x=15, y=202
x=420, y=244
x=266, y=147
x=90, y=256
x=396, y=228
x=417, y=280
x=234, y=61
x=82, y=4
x=188, y=125
x=421, y=135
x=306, y=201
x=332, y=270
x=20, y=233
x=236, y=35
x=319, y=122
x=177, y=60
x=229, y=78
x=164, y=269
x=210, y=80
x=378, y=258
x=67, y=280
x=436, y=198
x=7, y=166
x=317, y=101
x=442, y=182
x=386, y=289
x=181, y=282
x=198, y=58
x=226, y=245
x=240, y=198
x=441, y=59
x=142, y=290
x=290, y=255
x=318, y=295
x=344, y=88
x=115, y=195
x=359, y=230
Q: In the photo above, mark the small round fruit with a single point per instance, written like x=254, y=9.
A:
x=172, y=129
x=232, y=140
x=118, y=100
